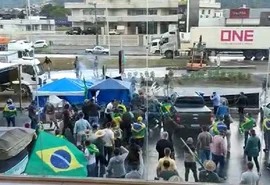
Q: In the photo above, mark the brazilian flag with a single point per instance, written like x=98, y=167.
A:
x=56, y=157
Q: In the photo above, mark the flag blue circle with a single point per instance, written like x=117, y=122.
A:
x=60, y=159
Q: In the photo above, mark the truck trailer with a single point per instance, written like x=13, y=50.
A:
x=254, y=42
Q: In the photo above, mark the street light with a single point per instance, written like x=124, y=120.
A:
x=95, y=6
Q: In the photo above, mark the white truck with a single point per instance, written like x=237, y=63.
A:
x=32, y=73
x=174, y=43
x=253, y=42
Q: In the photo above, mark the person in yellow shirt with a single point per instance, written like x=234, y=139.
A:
x=167, y=157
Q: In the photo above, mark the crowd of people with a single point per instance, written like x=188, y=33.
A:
x=115, y=147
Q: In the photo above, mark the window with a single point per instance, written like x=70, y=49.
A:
x=154, y=43
x=142, y=12
x=152, y=12
x=1, y=26
x=209, y=11
x=203, y=11
x=28, y=70
x=39, y=42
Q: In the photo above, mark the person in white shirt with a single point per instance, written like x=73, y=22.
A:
x=90, y=153
x=249, y=177
x=108, y=138
x=109, y=110
x=80, y=127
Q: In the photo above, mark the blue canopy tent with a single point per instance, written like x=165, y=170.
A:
x=112, y=89
x=71, y=90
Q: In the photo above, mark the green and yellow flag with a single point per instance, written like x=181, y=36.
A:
x=56, y=157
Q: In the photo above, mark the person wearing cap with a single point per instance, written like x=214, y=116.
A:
x=218, y=150
x=253, y=148
x=266, y=133
x=245, y=126
x=138, y=131
x=90, y=153
x=189, y=160
x=100, y=159
x=10, y=112
x=208, y=175
x=215, y=98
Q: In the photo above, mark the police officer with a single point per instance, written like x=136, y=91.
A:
x=266, y=130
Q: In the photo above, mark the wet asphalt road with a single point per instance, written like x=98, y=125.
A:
x=235, y=162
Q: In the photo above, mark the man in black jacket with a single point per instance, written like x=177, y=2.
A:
x=241, y=103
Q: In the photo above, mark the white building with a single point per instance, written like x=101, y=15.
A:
x=131, y=14
x=24, y=25
x=210, y=13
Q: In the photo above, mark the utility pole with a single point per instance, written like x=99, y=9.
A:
x=96, y=23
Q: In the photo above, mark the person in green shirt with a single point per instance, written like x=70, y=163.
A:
x=248, y=124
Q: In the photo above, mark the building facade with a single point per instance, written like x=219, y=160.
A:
x=131, y=15
x=24, y=25
x=247, y=17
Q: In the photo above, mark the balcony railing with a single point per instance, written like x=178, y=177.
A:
x=137, y=18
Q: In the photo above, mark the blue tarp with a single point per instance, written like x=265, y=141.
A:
x=71, y=90
x=112, y=89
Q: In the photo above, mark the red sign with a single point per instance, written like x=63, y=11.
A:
x=241, y=13
x=236, y=35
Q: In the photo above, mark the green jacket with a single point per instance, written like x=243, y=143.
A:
x=248, y=124
x=9, y=111
x=253, y=146
x=92, y=148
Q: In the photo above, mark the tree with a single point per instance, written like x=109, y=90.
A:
x=54, y=12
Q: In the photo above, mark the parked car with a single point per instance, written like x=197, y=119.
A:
x=40, y=44
x=99, y=50
x=89, y=31
x=190, y=112
x=74, y=31
x=114, y=32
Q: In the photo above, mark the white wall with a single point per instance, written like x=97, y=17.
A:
x=205, y=22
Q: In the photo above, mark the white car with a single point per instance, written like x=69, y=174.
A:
x=40, y=44
x=99, y=50
x=114, y=32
